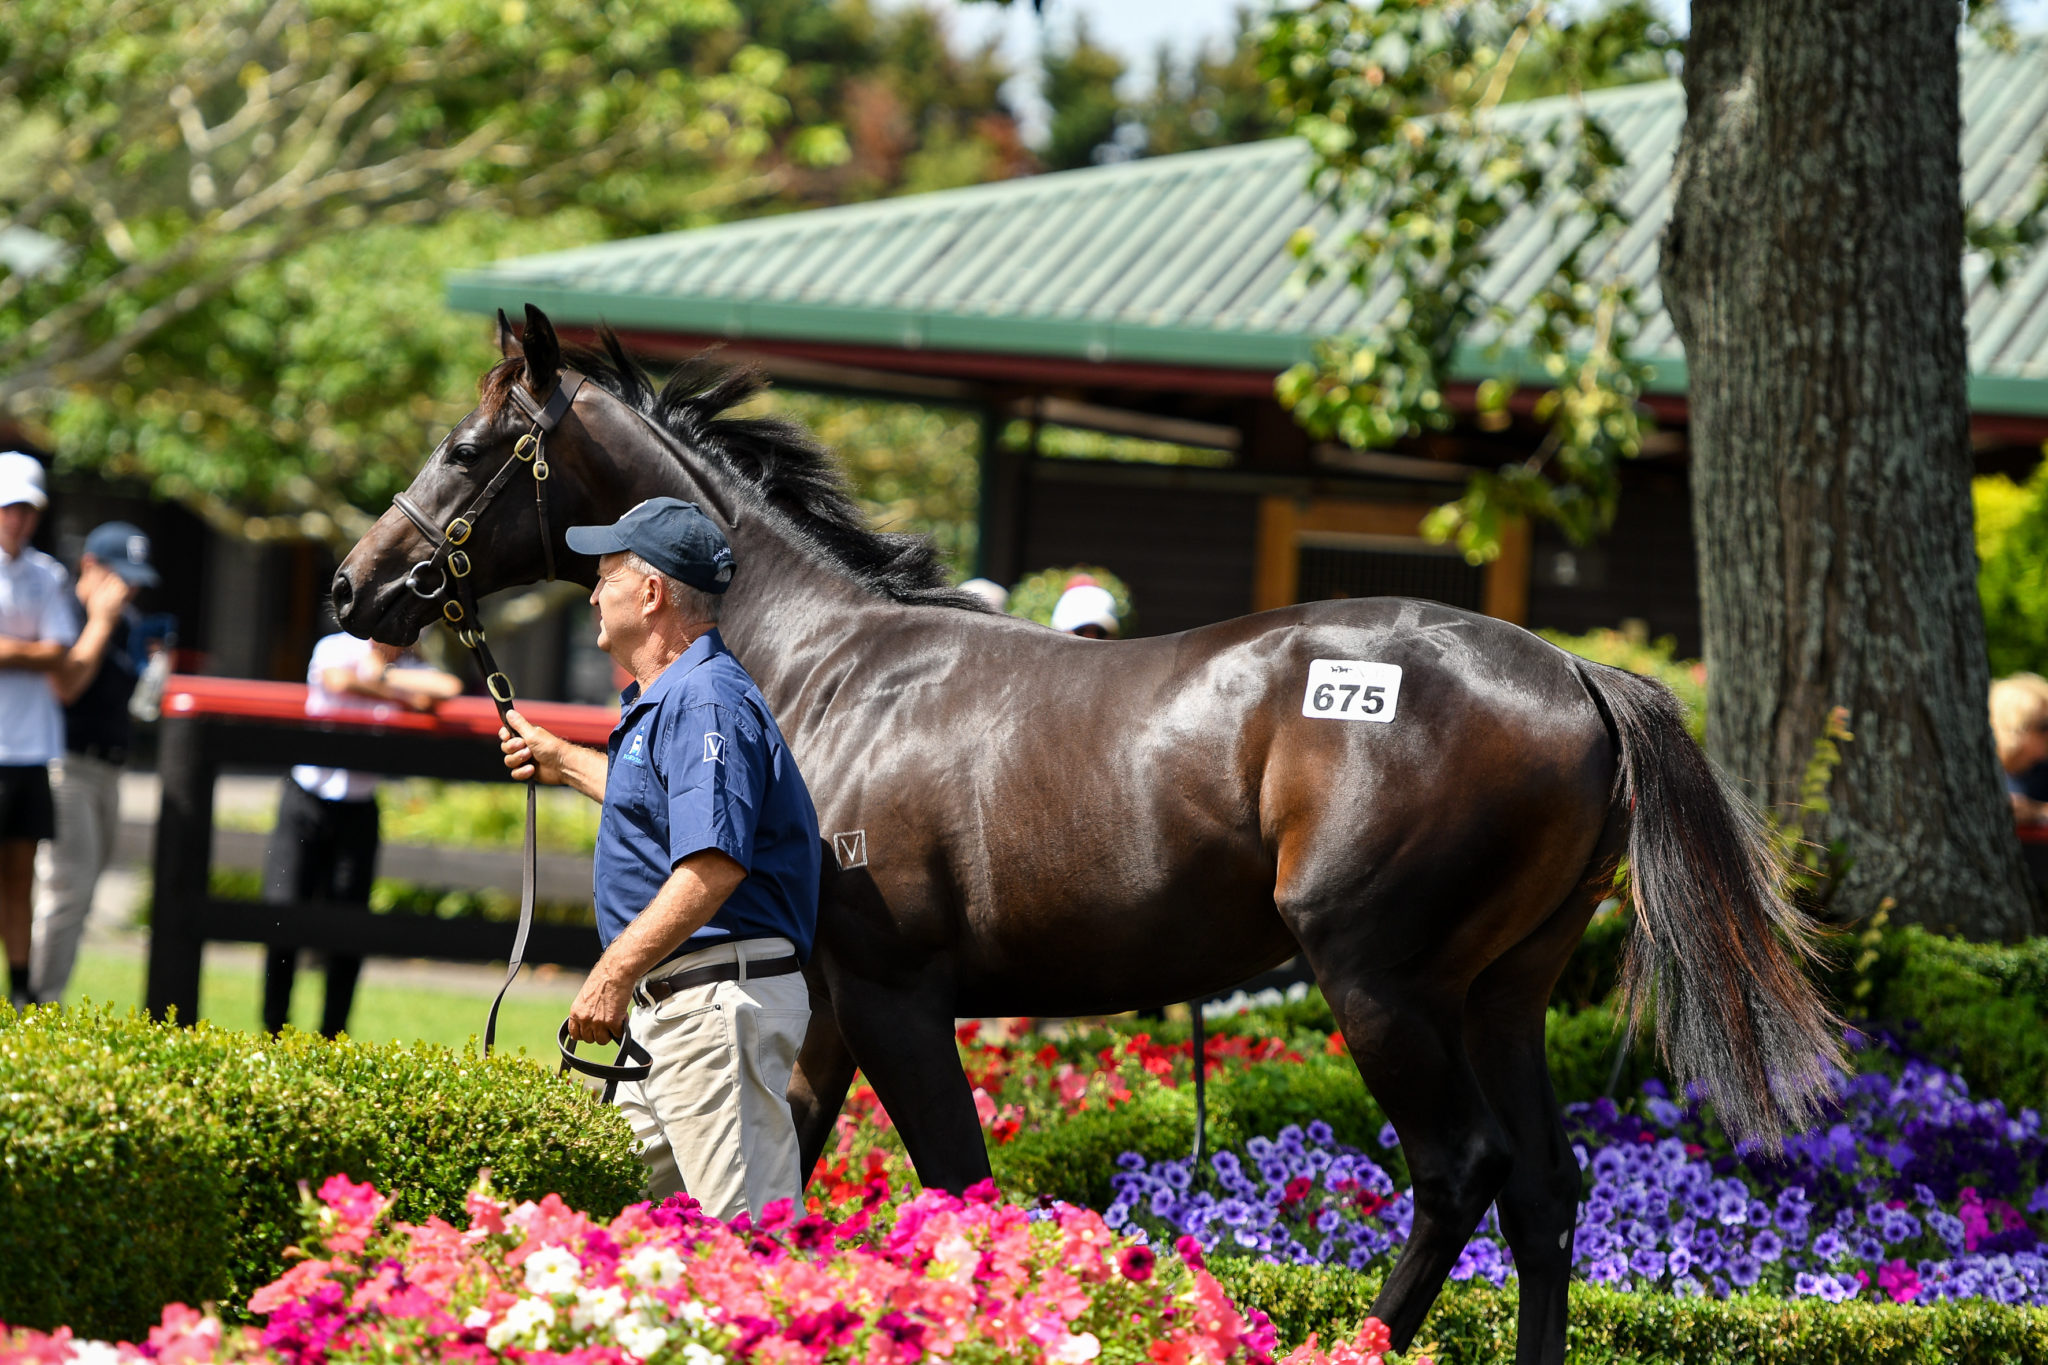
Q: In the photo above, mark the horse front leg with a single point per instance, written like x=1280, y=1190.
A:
x=902, y=1036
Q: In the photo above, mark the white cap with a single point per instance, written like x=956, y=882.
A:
x=988, y=590
x=1085, y=605
x=21, y=480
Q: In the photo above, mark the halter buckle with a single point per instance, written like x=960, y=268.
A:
x=458, y=531
x=526, y=447
x=470, y=638
x=458, y=564
x=540, y=471
x=412, y=580
x=451, y=611
x=492, y=682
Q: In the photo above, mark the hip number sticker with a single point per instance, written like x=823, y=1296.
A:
x=1351, y=689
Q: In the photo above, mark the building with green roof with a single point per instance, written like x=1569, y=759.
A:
x=1159, y=299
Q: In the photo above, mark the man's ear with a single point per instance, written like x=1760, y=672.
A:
x=508, y=344
x=543, y=353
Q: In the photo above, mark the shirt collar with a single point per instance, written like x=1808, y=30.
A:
x=702, y=649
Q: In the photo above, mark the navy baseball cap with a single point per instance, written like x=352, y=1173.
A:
x=124, y=549
x=672, y=535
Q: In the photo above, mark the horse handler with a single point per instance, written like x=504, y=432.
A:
x=706, y=871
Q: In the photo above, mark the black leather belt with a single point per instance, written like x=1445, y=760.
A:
x=654, y=992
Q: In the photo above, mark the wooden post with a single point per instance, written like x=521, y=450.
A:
x=183, y=866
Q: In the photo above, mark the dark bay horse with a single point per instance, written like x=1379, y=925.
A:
x=1022, y=822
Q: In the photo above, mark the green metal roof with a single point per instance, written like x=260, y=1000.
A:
x=1183, y=259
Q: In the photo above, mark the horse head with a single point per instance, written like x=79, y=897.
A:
x=489, y=507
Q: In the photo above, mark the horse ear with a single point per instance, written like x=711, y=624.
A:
x=543, y=351
x=508, y=342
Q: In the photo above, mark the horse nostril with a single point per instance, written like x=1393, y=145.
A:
x=343, y=593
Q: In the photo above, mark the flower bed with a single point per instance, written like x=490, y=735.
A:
x=969, y=1278
x=1915, y=1192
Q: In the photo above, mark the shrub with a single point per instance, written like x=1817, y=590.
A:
x=1473, y=1323
x=142, y=1163
x=2012, y=569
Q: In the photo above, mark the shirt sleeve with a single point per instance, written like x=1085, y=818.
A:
x=716, y=770
x=60, y=621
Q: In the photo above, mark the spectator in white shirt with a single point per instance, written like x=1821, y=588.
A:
x=37, y=630
x=324, y=848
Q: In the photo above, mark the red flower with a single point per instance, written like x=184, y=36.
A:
x=1136, y=1263
x=1190, y=1250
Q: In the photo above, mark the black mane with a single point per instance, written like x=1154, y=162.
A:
x=779, y=459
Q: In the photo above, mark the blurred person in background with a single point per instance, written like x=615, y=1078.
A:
x=1086, y=609
x=37, y=629
x=2019, y=725
x=324, y=848
x=94, y=684
x=988, y=590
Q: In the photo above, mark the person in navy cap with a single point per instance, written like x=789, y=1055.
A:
x=94, y=684
x=706, y=871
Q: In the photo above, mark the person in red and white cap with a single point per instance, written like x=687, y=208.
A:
x=37, y=628
x=1086, y=609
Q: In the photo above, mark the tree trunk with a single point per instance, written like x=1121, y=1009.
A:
x=1813, y=268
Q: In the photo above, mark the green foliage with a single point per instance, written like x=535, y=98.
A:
x=1974, y=1006
x=2012, y=570
x=142, y=1163
x=913, y=468
x=1397, y=101
x=1473, y=1322
x=894, y=107
x=184, y=155
x=1037, y=594
x=1073, y=443
x=1636, y=652
x=1080, y=84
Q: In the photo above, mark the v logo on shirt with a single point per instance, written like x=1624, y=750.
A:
x=714, y=748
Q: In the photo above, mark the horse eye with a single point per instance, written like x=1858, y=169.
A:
x=463, y=454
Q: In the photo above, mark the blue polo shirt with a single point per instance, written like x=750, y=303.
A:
x=697, y=762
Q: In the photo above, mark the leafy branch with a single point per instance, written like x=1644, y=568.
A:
x=1400, y=104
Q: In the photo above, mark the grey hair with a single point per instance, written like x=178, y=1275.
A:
x=697, y=606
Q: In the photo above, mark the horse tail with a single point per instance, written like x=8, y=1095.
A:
x=1715, y=941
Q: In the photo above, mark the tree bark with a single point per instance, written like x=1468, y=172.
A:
x=1813, y=268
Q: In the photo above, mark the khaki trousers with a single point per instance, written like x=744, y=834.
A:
x=87, y=793
x=711, y=1116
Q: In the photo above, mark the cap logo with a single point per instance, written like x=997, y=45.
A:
x=138, y=549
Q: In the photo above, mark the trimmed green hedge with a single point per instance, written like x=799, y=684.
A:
x=142, y=1163
x=1473, y=1322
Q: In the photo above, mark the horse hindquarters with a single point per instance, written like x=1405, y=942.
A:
x=1431, y=932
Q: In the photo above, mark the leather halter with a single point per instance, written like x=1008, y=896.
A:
x=450, y=564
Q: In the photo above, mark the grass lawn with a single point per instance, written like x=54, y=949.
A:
x=424, y=1010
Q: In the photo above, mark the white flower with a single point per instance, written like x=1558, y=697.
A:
x=596, y=1307
x=693, y=1313
x=94, y=1353
x=695, y=1354
x=526, y=1322
x=553, y=1270
x=655, y=1266
x=639, y=1337
x=478, y=1317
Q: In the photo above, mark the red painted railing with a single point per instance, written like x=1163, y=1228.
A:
x=188, y=695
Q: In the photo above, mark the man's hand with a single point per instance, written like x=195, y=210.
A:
x=533, y=754
x=599, y=1014
x=106, y=599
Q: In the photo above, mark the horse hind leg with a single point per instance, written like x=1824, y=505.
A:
x=1539, y=1203
x=1406, y=1038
